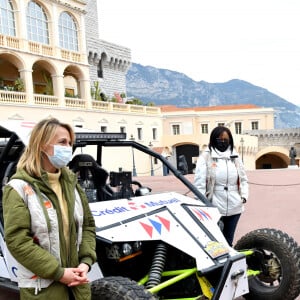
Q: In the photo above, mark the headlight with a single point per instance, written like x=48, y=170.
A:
x=137, y=246
x=126, y=249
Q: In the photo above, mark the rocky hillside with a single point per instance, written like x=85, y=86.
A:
x=163, y=86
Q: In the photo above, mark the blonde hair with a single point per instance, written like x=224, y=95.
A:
x=42, y=133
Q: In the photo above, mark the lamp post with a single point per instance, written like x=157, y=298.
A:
x=242, y=145
x=134, y=174
x=151, y=162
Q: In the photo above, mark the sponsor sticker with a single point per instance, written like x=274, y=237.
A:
x=133, y=206
x=216, y=249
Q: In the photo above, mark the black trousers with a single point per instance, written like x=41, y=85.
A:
x=230, y=223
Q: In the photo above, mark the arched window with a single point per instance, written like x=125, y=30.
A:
x=100, y=69
x=67, y=32
x=7, y=20
x=37, y=23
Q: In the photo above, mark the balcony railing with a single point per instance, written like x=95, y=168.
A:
x=120, y=106
x=75, y=103
x=45, y=100
x=12, y=97
x=137, y=108
x=152, y=110
x=101, y=105
x=40, y=49
x=15, y=98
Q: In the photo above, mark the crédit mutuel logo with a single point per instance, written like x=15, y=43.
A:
x=133, y=205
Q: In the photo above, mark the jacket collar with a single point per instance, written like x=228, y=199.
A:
x=228, y=154
x=66, y=174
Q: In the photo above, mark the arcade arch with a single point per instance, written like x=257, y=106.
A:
x=40, y=76
x=9, y=70
x=42, y=72
x=73, y=76
x=272, y=157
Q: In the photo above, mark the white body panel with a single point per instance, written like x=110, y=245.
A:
x=8, y=264
x=95, y=272
x=169, y=217
x=236, y=288
x=3, y=269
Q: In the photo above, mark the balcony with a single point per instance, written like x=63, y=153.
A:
x=19, y=98
x=16, y=43
x=7, y=97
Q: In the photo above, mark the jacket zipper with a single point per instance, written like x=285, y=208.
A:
x=227, y=187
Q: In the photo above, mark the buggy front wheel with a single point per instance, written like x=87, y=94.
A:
x=119, y=288
x=276, y=256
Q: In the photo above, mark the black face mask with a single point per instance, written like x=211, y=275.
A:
x=222, y=145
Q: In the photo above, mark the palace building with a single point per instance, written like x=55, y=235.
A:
x=53, y=62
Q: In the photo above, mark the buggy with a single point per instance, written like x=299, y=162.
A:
x=157, y=245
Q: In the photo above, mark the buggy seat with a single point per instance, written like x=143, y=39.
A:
x=91, y=177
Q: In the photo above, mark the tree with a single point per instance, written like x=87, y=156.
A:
x=135, y=101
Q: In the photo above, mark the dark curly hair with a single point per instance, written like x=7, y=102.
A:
x=217, y=131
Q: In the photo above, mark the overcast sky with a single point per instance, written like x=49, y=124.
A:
x=212, y=40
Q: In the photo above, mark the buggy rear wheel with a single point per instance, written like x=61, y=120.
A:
x=276, y=256
x=119, y=288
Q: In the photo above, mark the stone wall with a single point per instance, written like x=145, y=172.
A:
x=91, y=20
x=115, y=59
x=286, y=138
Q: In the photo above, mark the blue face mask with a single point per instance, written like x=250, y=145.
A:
x=62, y=155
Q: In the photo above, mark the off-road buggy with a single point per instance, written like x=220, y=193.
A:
x=152, y=245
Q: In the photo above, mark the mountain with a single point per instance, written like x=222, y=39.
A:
x=162, y=87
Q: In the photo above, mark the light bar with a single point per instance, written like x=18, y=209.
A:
x=99, y=136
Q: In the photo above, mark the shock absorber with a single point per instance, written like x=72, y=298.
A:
x=158, y=264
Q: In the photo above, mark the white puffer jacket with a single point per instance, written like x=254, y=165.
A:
x=222, y=178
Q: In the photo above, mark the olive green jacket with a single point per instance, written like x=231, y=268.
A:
x=18, y=236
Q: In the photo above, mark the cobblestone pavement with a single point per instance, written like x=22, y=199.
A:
x=273, y=202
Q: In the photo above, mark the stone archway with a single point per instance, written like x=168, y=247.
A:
x=73, y=83
x=272, y=158
x=9, y=71
x=42, y=72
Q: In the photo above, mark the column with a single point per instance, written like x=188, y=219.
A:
x=85, y=92
x=26, y=76
x=59, y=88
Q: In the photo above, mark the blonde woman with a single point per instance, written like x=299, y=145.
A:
x=49, y=228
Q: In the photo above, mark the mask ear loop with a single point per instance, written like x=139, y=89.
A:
x=44, y=152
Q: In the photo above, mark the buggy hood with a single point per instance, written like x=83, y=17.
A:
x=183, y=222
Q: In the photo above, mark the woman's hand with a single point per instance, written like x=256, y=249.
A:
x=75, y=276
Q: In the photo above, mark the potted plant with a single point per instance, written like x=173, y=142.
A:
x=19, y=85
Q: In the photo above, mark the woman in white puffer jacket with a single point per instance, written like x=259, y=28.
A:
x=220, y=175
